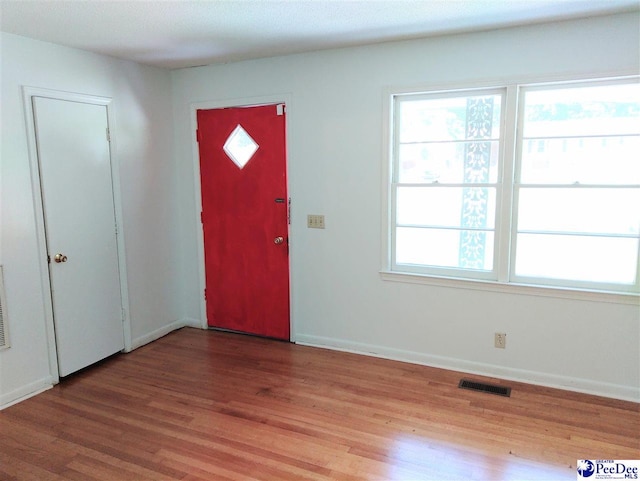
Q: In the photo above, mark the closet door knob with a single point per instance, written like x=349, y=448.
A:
x=60, y=258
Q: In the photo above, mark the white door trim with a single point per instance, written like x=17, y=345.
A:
x=220, y=104
x=27, y=94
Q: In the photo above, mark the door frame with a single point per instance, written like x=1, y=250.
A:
x=38, y=207
x=197, y=184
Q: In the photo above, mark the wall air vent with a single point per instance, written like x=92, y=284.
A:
x=484, y=387
x=4, y=335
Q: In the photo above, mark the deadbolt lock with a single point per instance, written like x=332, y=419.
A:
x=278, y=240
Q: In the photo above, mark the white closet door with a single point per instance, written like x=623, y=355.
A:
x=77, y=192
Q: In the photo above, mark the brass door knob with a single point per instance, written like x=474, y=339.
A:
x=278, y=240
x=60, y=258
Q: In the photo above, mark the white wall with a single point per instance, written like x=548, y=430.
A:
x=142, y=135
x=335, y=161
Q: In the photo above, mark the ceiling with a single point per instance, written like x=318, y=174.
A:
x=176, y=34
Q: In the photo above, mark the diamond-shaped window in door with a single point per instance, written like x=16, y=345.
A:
x=240, y=147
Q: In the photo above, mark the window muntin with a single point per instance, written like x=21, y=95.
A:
x=573, y=203
x=445, y=182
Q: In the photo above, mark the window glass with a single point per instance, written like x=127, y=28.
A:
x=445, y=162
x=446, y=206
x=444, y=248
x=450, y=118
x=584, y=140
x=604, y=211
x=447, y=168
x=569, y=214
x=583, y=160
x=578, y=258
x=591, y=111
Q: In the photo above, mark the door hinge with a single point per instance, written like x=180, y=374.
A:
x=289, y=211
x=201, y=217
x=205, y=294
x=198, y=135
x=108, y=135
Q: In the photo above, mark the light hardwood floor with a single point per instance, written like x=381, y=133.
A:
x=204, y=405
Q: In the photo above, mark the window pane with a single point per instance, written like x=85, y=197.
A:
x=445, y=162
x=443, y=141
x=445, y=248
x=593, y=259
x=457, y=118
x=240, y=147
x=589, y=111
x=606, y=211
x=447, y=206
x=590, y=160
x=574, y=173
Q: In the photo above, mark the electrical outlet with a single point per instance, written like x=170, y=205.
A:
x=500, y=340
x=315, y=221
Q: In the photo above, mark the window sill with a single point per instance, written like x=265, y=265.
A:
x=512, y=288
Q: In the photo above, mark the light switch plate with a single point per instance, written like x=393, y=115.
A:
x=315, y=221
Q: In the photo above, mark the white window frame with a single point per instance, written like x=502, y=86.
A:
x=518, y=185
x=503, y=277
x=397, y=100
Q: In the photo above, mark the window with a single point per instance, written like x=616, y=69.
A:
x=240, y=147
x=530, y=185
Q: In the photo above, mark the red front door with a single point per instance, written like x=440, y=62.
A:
x=244, y=219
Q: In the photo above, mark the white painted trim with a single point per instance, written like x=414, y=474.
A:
x=27, y=94
x=163, y=331
x=119, y=216
x=513, y=288
x=195, y=323
x=500, y=82
x=25, y=392
x=197, y=189
x=226, y=103
x=586, y=386
x=386, y=177
x=5, y=312
x=504, y=216
x=45, y=283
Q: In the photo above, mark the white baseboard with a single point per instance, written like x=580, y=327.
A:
x=163, y=331
x=586, y=386
x=197, y=323
x=25, y=392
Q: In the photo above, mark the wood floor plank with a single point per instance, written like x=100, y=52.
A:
x=203, y=405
